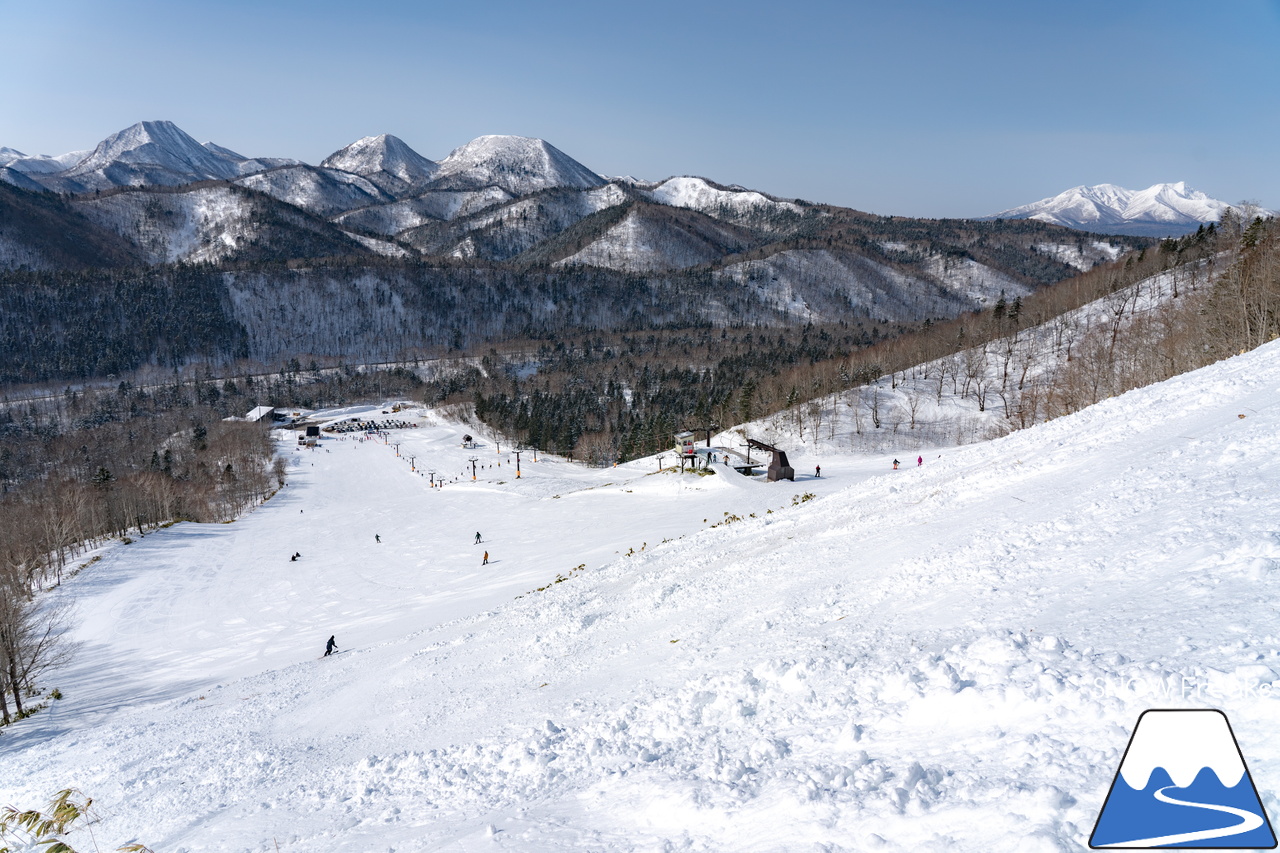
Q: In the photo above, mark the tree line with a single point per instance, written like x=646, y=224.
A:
x=92, y=466
x=608, y=397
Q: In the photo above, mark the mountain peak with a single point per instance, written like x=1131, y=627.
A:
x=372, y=155
x=153, y=152
x=518, y=164
x=1160, y=210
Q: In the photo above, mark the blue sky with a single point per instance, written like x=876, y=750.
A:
x=910, y=107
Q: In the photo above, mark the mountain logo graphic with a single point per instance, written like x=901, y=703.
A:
x=1183, y=783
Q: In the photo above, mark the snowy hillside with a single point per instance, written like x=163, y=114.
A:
x=949, y=657
x=825, y=286
x=326, y=192
x=982, y=392
x=499, y=232
x=648, y=238
x=699, y=194
x=208, y=224
x=172, y=227
x=40, y=164
x=1160, y=210
x=398, y=217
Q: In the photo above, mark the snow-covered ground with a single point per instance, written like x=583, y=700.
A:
x=946, y=657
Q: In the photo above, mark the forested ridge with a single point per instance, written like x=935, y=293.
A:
x=119, y=463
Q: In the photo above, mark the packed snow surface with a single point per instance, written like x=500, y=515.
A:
x=946, y=657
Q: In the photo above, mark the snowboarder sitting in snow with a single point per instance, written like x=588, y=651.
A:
x=330, y=647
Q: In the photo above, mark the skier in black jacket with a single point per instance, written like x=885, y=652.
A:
x=330, y=647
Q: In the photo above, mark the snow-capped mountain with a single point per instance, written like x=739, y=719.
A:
x=1161, y=210
x=41, y=164
x=386, y=161
x=522, y=202
x=149, y=153
x=517, y=164
x=700, y=194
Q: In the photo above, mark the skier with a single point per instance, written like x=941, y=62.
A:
x=919, y=461
x=477, y=537
x=486, y=559
x=896, y=463
x=330, y=647
x=377, y=538
x=817, y=470
x=293, y=558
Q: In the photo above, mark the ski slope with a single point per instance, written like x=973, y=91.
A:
x=949, y=657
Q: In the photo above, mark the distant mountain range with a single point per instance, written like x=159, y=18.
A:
x=1162, y=210
x=385, y=248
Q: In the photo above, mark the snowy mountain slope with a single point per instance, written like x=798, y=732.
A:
x=397, y=217
x=650, y=238
x=948, y=657
x=386, y=248
x=1082, y=255
x=386, y=161
x=974, y=283
x=205, y=225
x=324, y=192
x=19, y=179
x=43, y=232
x=986, y=391
x=1159, y=210
x=517, y=164
x=825, y=285
x=147, y=153
x=40, y=164
x=699, y=194
x=821, y=285
x=505, y=231
x=212, y=223
x=249, y=165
